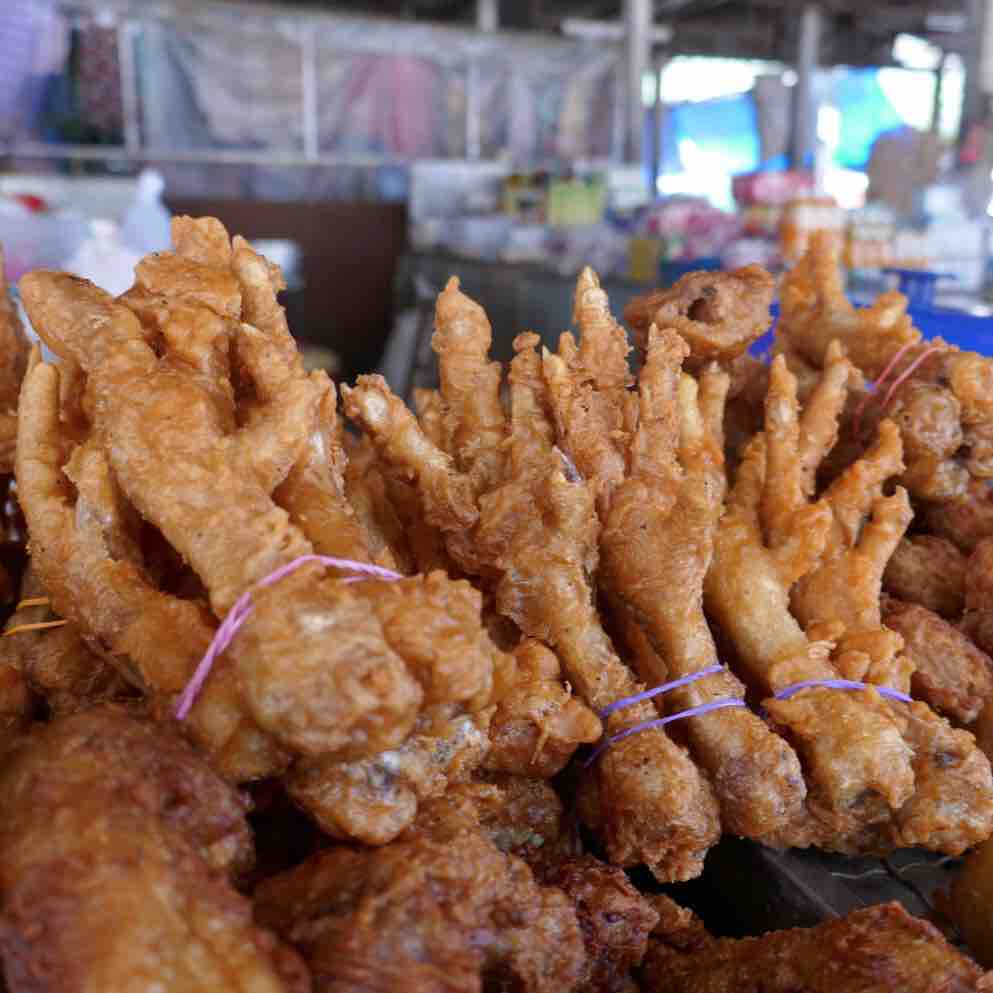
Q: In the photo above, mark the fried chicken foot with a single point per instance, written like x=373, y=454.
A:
x=951, y=807
x=473, y=422
x=718, y=314
x=659, y=521
x=815, y=312
x=535, y=541
x=658, y=575
x=154, y=639
x=857, y=766
x=313, y=492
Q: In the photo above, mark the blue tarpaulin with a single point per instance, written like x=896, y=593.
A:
x=726, y=128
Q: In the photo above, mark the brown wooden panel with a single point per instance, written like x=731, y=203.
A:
x=350, y=252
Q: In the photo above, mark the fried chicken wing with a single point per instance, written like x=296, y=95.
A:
x=878, y=949
x=718, y=314
x=115, y=850
x=440, y=909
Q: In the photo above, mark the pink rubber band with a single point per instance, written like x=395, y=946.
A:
x=841, y=684
x=878, y=385
x=242, y=608
x=927, y=353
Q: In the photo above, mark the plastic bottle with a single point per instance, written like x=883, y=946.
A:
x=146, y=224
x=104, y=260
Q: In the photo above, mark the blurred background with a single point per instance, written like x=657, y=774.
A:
x=373, y=149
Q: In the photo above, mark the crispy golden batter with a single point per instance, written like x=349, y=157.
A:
x=156, y=413
x=880, y=949
x=660, y=511
x=534, y=723
x=586, y=385
x=473, y=422
x=929, y=571
x=115, y=848
x=838, y=601
x=536, y=542
x=374, y=800
x=816, y=312
x=538, y=723
x=719, y=314
x=950, y=672
x=939, y=397
x=770, y=537
x=313, y=492
x=440, y=910
x=153, y=638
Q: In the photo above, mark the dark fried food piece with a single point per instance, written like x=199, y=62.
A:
x=875, y=950
x=950, y=672
x=57, y=663
x=977, y=622
x=929, y=571
x=441, y=910
x=615, y=919
x=522, y=817
x=966, y=520
x=372, y=800
x=719, y=314
x=115, y=848
x=971, y=903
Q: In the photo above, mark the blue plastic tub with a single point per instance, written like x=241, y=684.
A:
x=972, y=334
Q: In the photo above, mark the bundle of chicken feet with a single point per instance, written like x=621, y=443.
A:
x=479, y=656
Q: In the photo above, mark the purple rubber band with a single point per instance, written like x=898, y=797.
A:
x=242, y=608
x=842, y=684
x=704, y=708
x=630, y=701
